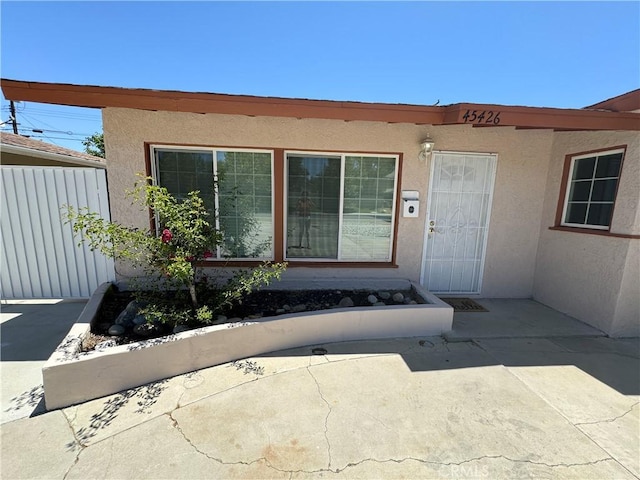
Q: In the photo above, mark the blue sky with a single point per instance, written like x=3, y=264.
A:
x=516, y=53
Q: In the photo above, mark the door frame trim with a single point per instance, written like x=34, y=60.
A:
x=428, y=207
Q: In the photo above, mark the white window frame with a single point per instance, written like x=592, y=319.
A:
x=214, y=151
x=567, y=194
x=342, y=156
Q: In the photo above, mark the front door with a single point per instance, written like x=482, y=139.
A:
x=457, y=223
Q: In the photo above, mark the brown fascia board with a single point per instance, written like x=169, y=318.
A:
x=167, y=100
x=549, y=118
x=627, y=102
x=175, y=101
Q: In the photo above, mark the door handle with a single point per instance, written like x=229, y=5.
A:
x=432, y=225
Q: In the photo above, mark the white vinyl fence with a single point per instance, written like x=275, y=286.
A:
x=40, y=255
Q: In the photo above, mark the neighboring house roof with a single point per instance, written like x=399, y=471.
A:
x=627, y=102
x=17, y=144
x=460, y=113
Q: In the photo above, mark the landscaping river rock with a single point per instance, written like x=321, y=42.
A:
x=120, y=321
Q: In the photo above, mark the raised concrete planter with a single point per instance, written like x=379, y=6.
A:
x=72, y=377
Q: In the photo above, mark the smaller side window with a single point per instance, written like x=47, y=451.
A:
x=591, y=189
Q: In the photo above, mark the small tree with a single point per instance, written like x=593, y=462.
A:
x=186, y=238
x=94, y=145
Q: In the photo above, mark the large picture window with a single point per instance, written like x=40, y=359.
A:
x=242, y=196
x=591, y=189
x=289, y=205
x=340, y=207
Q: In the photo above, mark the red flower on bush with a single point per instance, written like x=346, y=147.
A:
x=166, y=235
x=207, y=254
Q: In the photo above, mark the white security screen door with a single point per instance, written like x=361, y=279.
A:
x=457, y=223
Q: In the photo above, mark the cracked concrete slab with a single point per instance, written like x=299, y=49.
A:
x=408, y=408
x=620, y=437
x=483, y=468
x=40, y=447
x=574, y=393
x=156, y=449
x=214, y=380
x=102, y=418
x=580, y=383
x=280, y=419
x=268, y=364
x=382, y=410
x=613, y=361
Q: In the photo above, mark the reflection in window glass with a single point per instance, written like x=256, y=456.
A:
x=318, y=228
x=244, y=194
x=369, y=191
x=244, y=186
x=181, y=172
x=313, y=202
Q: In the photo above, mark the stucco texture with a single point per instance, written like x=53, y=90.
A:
x=523, y=157
x=592, y=277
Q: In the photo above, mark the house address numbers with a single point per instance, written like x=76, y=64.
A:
x=482, y=117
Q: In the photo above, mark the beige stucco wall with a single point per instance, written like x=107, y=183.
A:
x=626, y=322
x=523, y=157
x=592, y=277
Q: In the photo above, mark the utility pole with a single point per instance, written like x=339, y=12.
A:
x=12, y=109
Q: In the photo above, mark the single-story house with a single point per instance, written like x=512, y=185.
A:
x=467, y=199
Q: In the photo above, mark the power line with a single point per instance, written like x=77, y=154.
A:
x=43, y=130
x=53, y=130
x=67, y=117
x=28, y=134
x=54, y=138
x=45, y=136
x=61, y=114
x=31, y=117
x=45, y=123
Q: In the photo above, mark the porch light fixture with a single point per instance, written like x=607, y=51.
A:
x=426, y=147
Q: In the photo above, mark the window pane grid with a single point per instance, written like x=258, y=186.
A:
x=353, y=198
x=313, y=203
x=367, y=222
x=363, y=197
x=592, y=187
x=243, y=198
x=244, y=216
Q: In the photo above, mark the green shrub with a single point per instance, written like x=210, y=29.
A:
x=171, y=255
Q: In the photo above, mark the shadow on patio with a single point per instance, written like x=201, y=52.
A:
x=513, y=333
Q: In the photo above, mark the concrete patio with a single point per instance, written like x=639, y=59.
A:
x=515, y=403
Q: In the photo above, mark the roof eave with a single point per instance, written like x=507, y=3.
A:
x=175, y=101
x=57, y=157
x=541, y=117
x=627, y=102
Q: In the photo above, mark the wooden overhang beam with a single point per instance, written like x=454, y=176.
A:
x=538, y=117
x=174, y=101
x=462, y=113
